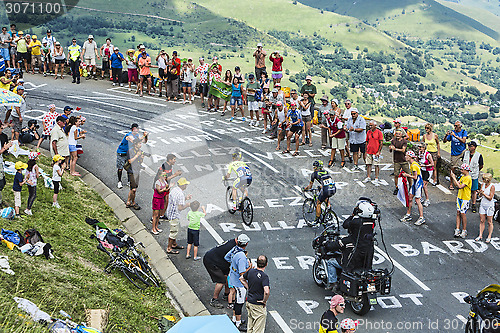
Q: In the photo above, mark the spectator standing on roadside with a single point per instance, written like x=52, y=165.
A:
x=256, y=281
x=323, y=109
x=295, y=123
x=74, y=59
x=123, y=148
x=13, y=45
x=431, y=140
x=133, y=75
x=173, y=77
x=18, y=115
x=374, y=139
x=58, y=166
x=218, y=268
x=427, y=167
x=17, y=186
x=328, y=322
x=337, y=135
x=356, y=125
x=22, y=50
x=260, y=60
x=48, y=123
x=310, y=89
x=345, y=116
x=31, y=177
x=36, y=54
x=464, y=186
x=193, y=233
x=74, y=135
x=5, y=40
x=239, y=266
x=176, y=203
x=397, y=127
x=202, y=70
x=160, y=192
x=277, y=70
x=59, y=140
x=186, y=81
x=167, y=167
x=305, y=109
x=415, y=189
x=59, y=59
x=135, y=157
x=457, y=137
x=89, y=55
x=278, y=126
x=46, y=56
x=116, y=60
x=475, y=161
x=487, y=208
x=51, y=43
x=213, y=101
x=6, y=80
x=398, y=148
x=162, y=61
x=145, y=65
x=237, y=98
x=253, y=105
x=106, y=50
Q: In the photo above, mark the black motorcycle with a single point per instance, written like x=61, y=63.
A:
x=358, y=286
x=484, y=313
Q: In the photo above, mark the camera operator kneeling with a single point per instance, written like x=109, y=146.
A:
x=29, y=133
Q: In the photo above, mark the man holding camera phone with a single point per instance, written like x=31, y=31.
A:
x=123, y=149
x=260, y=61
x=457, y=137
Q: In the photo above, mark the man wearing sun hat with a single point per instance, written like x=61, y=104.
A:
x=36, y=54
x=176, y=203
x=397, y=126
x=89, y=54
x=328, y=322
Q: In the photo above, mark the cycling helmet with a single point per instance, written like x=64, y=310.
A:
x=243, y=240
x=348, y=324
x=465, y=166
x=237, y=154
x=318, y=164
x=411, y=154
x=364, y=209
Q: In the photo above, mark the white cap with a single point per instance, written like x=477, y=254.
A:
x=309, y=77
x=91, y=37
x=243, y=239
x=259, y=44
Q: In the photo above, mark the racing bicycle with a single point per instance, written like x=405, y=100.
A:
x=327, y=218
x=244, y=205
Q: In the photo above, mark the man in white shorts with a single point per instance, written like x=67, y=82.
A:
x=253, y=104
x=89, y=55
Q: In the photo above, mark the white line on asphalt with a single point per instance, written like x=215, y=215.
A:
x=260, y=160
x=404, y=270
x=212, y=231
x=280, y=321
x=444, y=189
x=462, y=319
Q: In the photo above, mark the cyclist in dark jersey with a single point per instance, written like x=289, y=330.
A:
x=326, y=188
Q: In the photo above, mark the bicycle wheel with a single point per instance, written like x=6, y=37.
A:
x=130, y=274
x=145, y=277
x=309, y=211
x=330, y=219
x=229, y=200
x=247, y=211
x=149, y=271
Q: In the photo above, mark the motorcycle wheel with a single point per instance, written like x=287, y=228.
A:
x=471, y=326
x=362, y=307
x=316, y=273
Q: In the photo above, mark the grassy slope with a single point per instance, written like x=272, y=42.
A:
x=489, y=5
x=74, y=280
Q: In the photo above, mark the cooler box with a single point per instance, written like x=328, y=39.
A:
x=414, y=134
x=286, y=91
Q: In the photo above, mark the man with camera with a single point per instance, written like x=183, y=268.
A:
x=124, y=147
x=260, y=61
x=457, y=137
x=30, y=133
x=133, y=166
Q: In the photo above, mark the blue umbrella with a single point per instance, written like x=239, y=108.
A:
x=204, y=324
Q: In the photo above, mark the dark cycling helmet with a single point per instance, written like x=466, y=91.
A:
x=237, y=154
x=318, y=164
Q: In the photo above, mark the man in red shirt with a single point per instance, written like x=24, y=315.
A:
x=374, y=139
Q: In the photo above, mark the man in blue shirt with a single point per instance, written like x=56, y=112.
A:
x=457, y=137
x=116, y=66
x=123, y=148
x=239, y=266
x=295, y=124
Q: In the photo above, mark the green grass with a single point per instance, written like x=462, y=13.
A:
x=74, y=280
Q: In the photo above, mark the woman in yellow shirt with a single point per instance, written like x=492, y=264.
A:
x=431, y=139
x=464, y=194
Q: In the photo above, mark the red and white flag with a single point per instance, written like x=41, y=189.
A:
x=403, y=194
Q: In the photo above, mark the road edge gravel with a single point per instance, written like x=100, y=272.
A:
x=183, y=298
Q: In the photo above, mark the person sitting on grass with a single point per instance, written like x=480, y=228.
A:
x=18, y=184
x=193, y=233
x=415, y=189
x=463, y=198
x=58, y=166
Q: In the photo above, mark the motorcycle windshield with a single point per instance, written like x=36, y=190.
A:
x=490, y=288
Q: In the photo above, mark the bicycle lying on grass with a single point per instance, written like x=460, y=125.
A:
x=124, y=255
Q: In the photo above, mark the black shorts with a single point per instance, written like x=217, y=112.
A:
x=296, y=129
x=60, y=61
x=216, y=274
x=325, y=194
x=105, y=65
x=425, y=175
x=23, y=56
x=204, y=89
x=161, y=73
x=193, y=237
x=145, y=76
x=358, y=148
x=134, y=180
x=56, y=186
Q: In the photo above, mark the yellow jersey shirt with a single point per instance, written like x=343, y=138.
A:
x=415, y=167
x=465, y=193
x=35, y=47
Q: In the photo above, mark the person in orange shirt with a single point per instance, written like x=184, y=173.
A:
x=145, y=66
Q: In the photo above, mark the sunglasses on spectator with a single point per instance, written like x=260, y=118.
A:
x=342, y=305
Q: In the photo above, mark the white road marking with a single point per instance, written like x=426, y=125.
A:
x=212, y=231
x=462, y=319
x=260, y=160
x=404, y=270
x=444, y=189
x=280, y=321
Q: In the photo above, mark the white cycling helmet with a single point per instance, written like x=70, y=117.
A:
x=365, y=209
